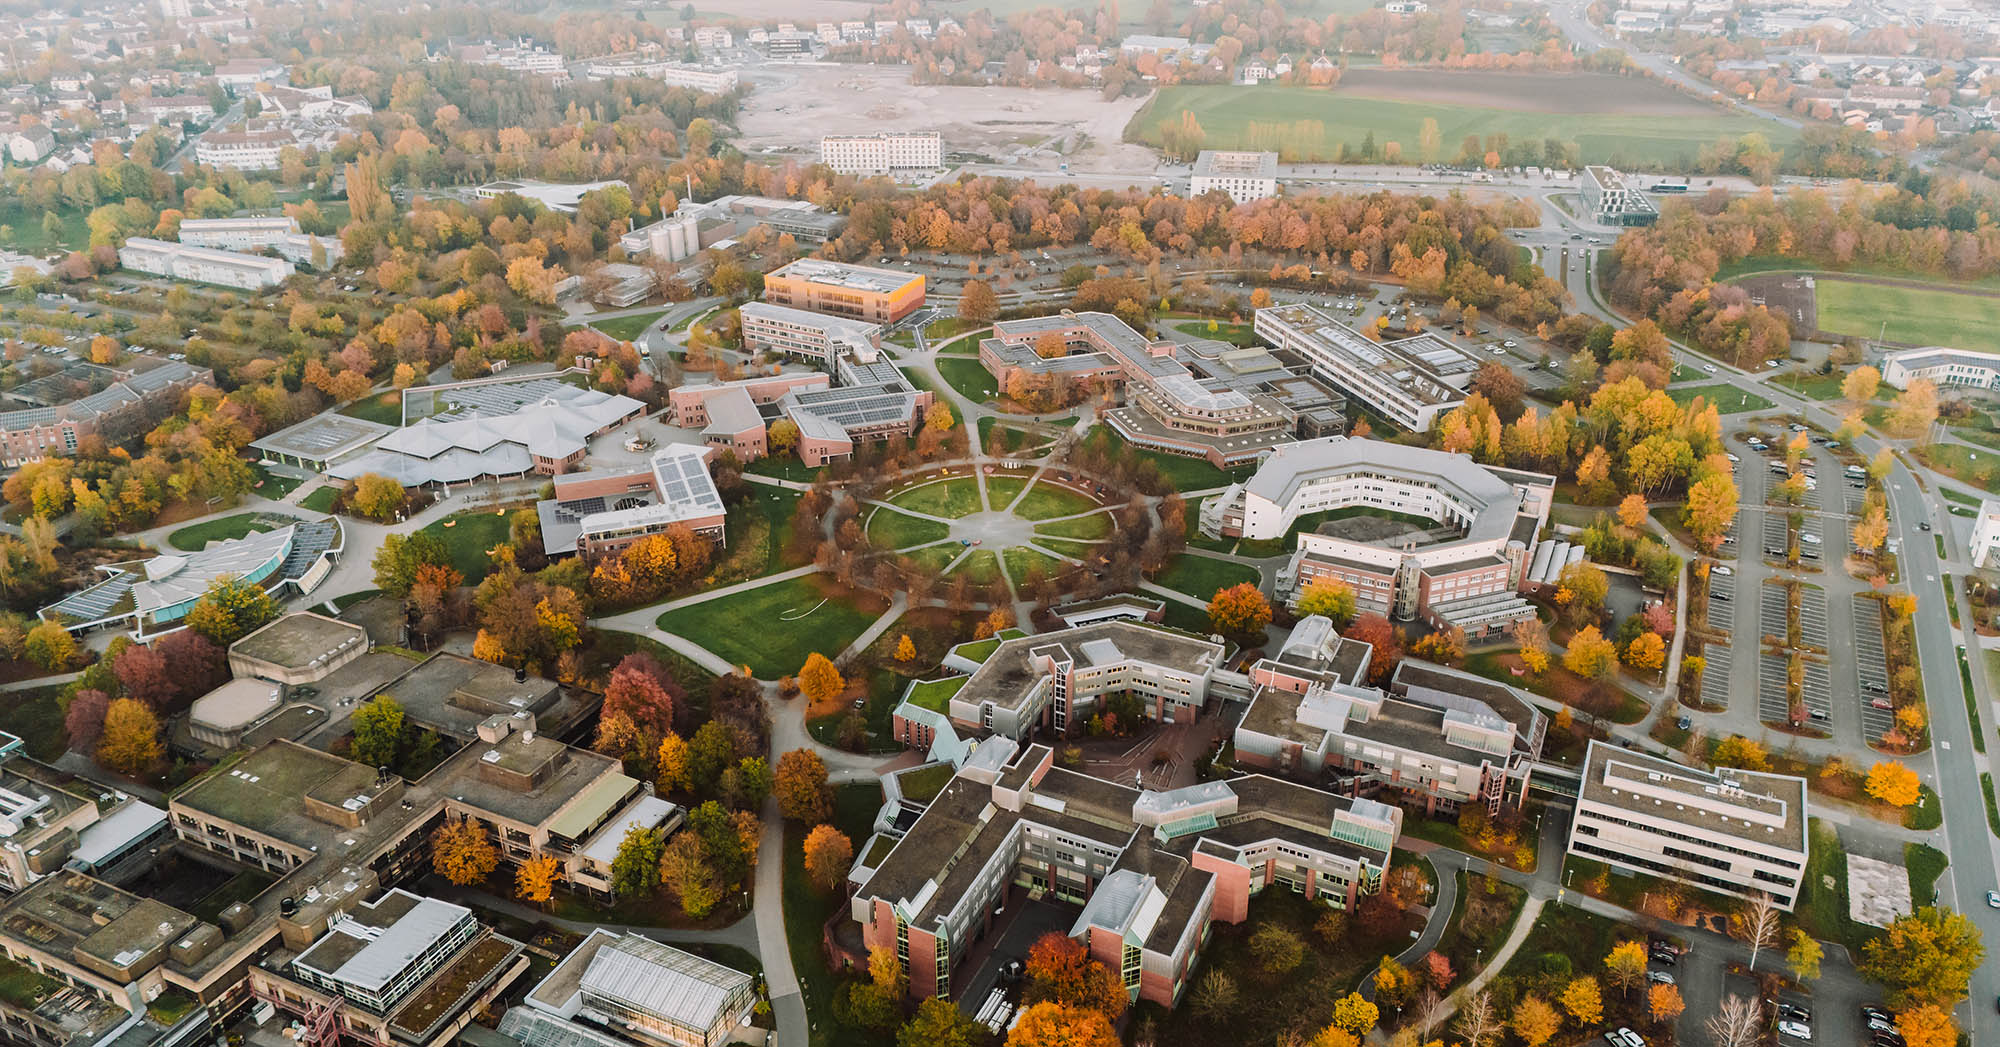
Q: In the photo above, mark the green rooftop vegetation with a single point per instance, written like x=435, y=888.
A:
x=878, y=849
x=23, y=986
x=922, y=784
x=978, y=650
x=933, y=694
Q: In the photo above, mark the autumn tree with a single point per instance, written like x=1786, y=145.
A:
x=1060, y=970
x=1240, y=612
x=828, y=856
x=1894, y=783
x=378, y=731
x=1927, y=1026
x=906, y=649
x=1054, y=1025
x=1738, y=751
x=782, y=436
x=1626, y=965
x=462, y=853
x=1329, y=598
x=83, y=721
x=635, y=868
x=1632, y=511
x=1214, y=996
x=819, y=680
x=1860, y=385
x=1534, y=1021
x=1916, y=409
x=377, y=497
x=1647, y=652
x=1276, y=949
x=977, y=304
x=801, y=787
x=1583, y=1000
x=939, y=1023
x=1803, y=956
x=685, y=870
x=230, y=610
x=641, y=689
x=1590, y=655
x=1664, y=1004
x=535, y=880
x=49, y=645
x=1927, y=957
x=130, y=742
x=1355, y=1013
x=1533, y=638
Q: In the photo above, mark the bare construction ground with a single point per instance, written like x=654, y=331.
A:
x=793, y=105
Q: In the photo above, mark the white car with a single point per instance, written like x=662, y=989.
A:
x=1721, y=569
x=1796, y=1031
x=1497, y=351
x=1509, y=343
x=1809, y=539
x=1710, y=368
x=1733, y=460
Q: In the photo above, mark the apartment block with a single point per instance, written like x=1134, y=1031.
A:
x=708, y=79
x=278, y=233
x=1409, y=381
x=203, y=265
x=859, y=292
x=1728, y=831
x=886, y=153
x=1245, y=176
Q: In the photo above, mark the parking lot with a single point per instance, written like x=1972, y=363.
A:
x=1871, y=665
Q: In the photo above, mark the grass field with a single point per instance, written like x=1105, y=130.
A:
x=321, y=499
x=386, y=408
x=467, y=536
x=936, y=557
x=807, y=909
x=270, y=484
x=1916, y=315
x=958, y=496
x=969, y=377
x=1019, y=559
x=1234, y=334
x=1045, y=501
x=197, y=536
x=1230, y=117
x=982, y=566
x=1201, y=576
x=889, y=529
x=771, y=628
x=1981, y=469
x=626, y=328
x=1096, y=525
x=1727, y=398
x=1817, y=386
x=1080, y=550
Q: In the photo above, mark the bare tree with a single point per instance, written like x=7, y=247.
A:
x=1478, y=1025
x=1758, y=924
x=1430, y=1012
x=1737, y=1024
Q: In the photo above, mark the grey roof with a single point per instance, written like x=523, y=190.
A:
x=1235, y=163
x=840, y=274
x=663, y=981
x=1290, y=467
x=391, y=932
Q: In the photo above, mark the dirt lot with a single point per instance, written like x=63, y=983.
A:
x=1789, y=294
x=792, y=106
x=1527, y=92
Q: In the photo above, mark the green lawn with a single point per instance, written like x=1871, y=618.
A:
x=626, y=328
x=321, y=499
x=936, y=557
x=21, y=230
x=1096, y=525
x=1267, y=117
x=1925, y=864
x=1727, y=398
x=271, y=485
x=889, y=529
x=783, y=467
x=1816, y=386
x=953, y=497
x=386, y=408
x=1186, y=474
x=36, y=717
x=1234, y=334
x=969, y=377
x=1080, y=550
x=1019, y=559
x=1046, y=501
x=1201, y=576
x=1979, y=468
x=467, y=536
x=982, y=566
x=1822, y=906
x=197, y=536
x=1002, y=490
x=771, y=628
x=807, y=909
x=1916, y=315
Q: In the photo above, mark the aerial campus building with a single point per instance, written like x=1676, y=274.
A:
x=1152, y=870
x=858, y=291
x=885, y=153
x=1943, y=366
x=1229, y=416
x=248, y=272
x=493, y=432
x=604, y=510
x=1613, y=201
x=1244, y=175
x=1729, y=831
x=117, y=404
x=1409, y=381
x=1417, y=533
x=620, y=990
x=151, y=596
x=709, y=79
x=279, y=233
x=1434, y=736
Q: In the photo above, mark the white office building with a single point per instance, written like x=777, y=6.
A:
x=1245, y=176
x=1410, y=381
x=1613, y=201
x=1942, y=365
x=279, y=233
x=882, y=153
x=710, y=79
x=1727, y=831
x=205, y=265
x=817, y=337
x=1986, y=534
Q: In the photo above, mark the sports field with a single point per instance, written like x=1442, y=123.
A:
x=1915, y=315
x=1621, y=121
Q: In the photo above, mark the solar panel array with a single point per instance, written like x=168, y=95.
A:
x=684, y=480
x=309, y=542
x=99, y=601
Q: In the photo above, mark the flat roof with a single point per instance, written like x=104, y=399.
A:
x=840, y=274
x=237, y=704
x=300, y=640
x=378, y=940
x=1424, y=367
x=1754, y=807
x=1235, y=163
x=1005, y=677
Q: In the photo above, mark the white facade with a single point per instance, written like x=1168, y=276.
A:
x=713, y=80
x=673, y=238
x=714, y=38
x=242, y=150
x=1943, y=366
x=184, y=262
x=882, y=153
x=1245, y=176
x=1732, y=832
x=817, y=337
x=275, y=233
x=1986, y=533
x=1410, y=382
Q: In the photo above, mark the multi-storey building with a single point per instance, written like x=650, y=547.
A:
x=1613, y=201
x=243, y=150
x=815, y=337
x=1942, y=365
x=885, y=153
x=1434, y=737
x=622, y=990
x=603, y=511
x=1410, y=381
x=125, y=403
x=1985, y=533
x=710, y=79
x=547, y=438
x=279, y=233
x=1730, y=831
x=182, y=262
x=1414, y=532
x=860, y=292
x=1245, y=176
x=153, y=595
x=1152, y=870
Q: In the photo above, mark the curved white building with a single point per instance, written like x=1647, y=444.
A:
x=1414, y=531
x=1942, y=365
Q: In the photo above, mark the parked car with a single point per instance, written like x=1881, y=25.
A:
x=1796, y=1031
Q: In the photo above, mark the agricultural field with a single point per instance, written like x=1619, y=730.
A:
x=1628, y=123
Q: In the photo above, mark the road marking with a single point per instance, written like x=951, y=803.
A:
x=1947, y=745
